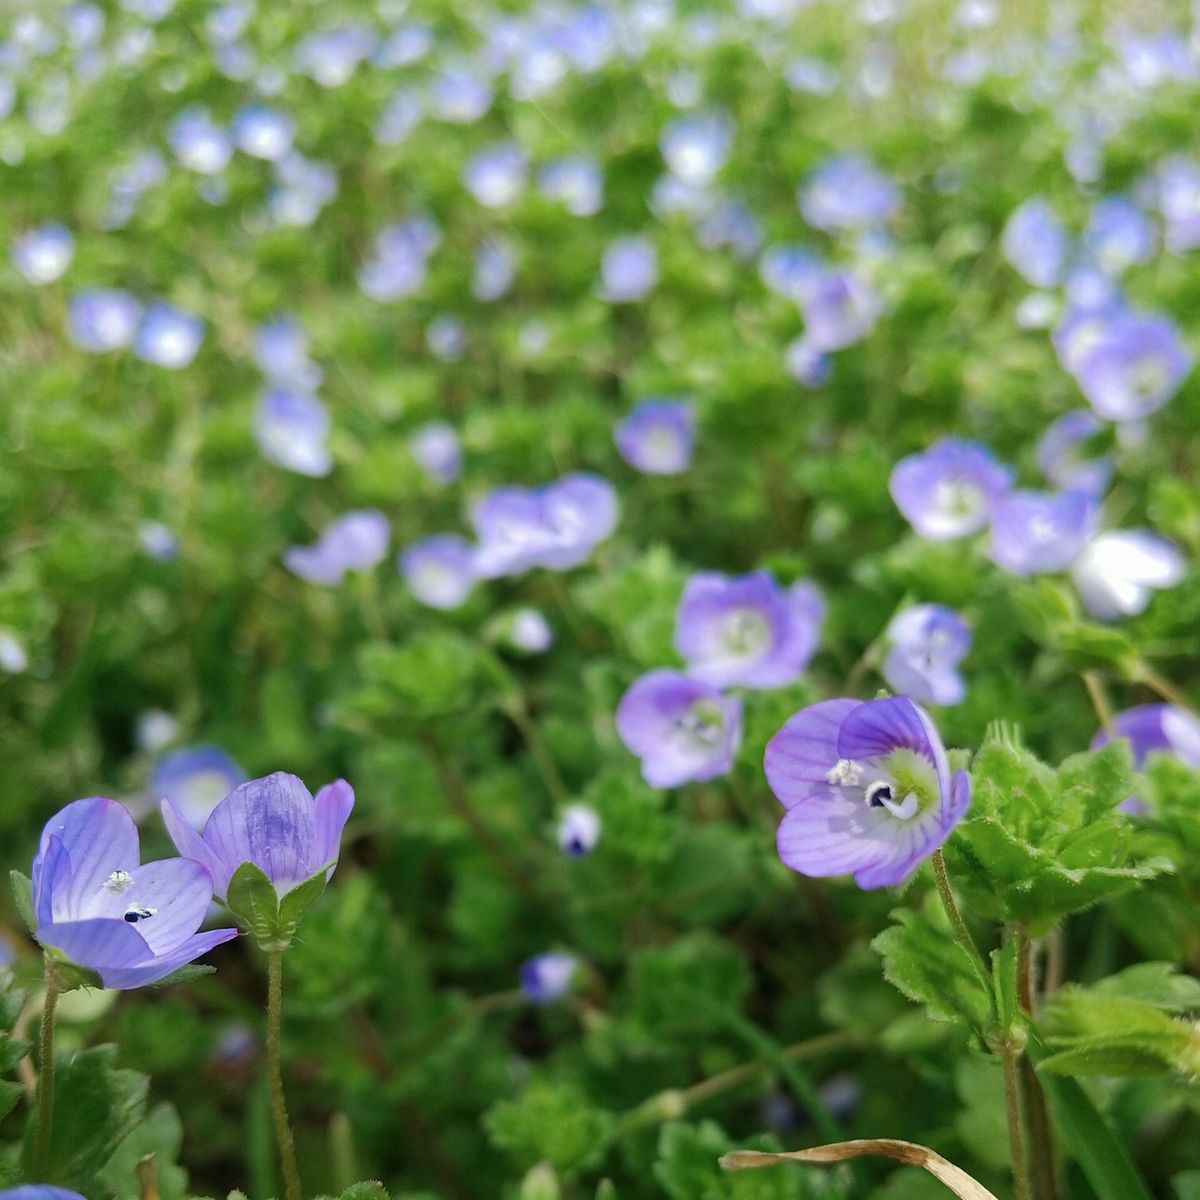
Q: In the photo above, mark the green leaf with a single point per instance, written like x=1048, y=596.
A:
x=925, y=963
x=22, y=887
x=1104, y=1160
x=1004, y=977
x=550, y=1122
x=96, y=1107
x=367, y=1190
x=1158, y=984
x=12, y=1051
x=188, y=973
x=10, y=1093
x=294, y=903
x=254, y=902
x=160, y=1135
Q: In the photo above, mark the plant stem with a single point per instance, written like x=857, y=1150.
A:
x=961, y=932
x=283, y=1131
x=41, y=1146
x=553, y=781
x=1033, y=1100
x=1012, y=1111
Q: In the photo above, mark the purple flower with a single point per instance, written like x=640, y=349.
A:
x=510, y=530
x=446, y=338
x=199, y=143
x=1135, y=368
x=1035, y=243
x=927, y=643
x=529, y=631
x=696, y=146
x=102, y=319
x=436, y=449
x=1117, y=572
x=1036, y=532
x=790, y=271
x=355, y=542
x=578, y=511
x=1118, y=234
x=158, y=541
x=574, y=182
x=628, y=270
x=867, y=787
x=496, y=176
x=168, y=336
x=1058, y=458
x=807, y=365
x=400, y=116
x=495, y=267
x=578, y=830
x=43, y=254
x=548, y=977
x=13, y=656
x=155, y=729
x=1179, y=202
x=839, y=309
x=657, y=436
x=401, y=259
x=274, y=823
x=1165, y=728
x=730, y=223
x=1084, y=325
x=847, y=191
x=290, y=428
x=97, y=907
x=331, y=56
x=281, y=351
x=197, y=779
x=39, y=1191
x=439, y=570
x=946, y=491
x=746, y=630
x=680, y=728
x=459, y=95
x=263, y=132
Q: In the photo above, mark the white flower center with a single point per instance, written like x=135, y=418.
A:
x=118, y=882
x=958, y=498
x=847, y=773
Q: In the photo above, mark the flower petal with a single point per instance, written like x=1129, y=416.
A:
x=177, y=892
x=98, y=942
x=100, y=837
x=332, y=808
x=159, y=966
x=833, y=834
x=268, y=822
x=188, y=842
x=799, y=757
x=51, y=879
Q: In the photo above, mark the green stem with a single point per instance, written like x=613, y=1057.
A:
x=1033, y=1099
x=1012, y=1112
x=283, y=1131
x=46, y=1081
x=961, y=932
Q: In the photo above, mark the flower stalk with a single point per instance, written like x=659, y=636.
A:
x=279, y=1114
x=45, y=1092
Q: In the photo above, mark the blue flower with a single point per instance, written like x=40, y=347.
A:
x=43, y=254
x=578, y=830
x=168, y=336
x=1035, y=243
x=197, y=779
x=927, y=643
x=354, y=542
x=628, y=270
x=1036, y=532
x=947, y=491
x=548, y=977
x=657, y=436
x=102, y=319
x=439, y=570
x=847, y=191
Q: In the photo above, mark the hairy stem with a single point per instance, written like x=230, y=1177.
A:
x=1012, y=1112
x=41, y=1145
x=961, y=932
x=283, y=1130
x=1033, y=1100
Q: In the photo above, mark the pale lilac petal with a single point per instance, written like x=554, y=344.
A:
x=268, y=822
x=176, y=891
x=51, y=882
x=332, y=810
x=834, y=834
x=100, y=837
x=188, y=842
x=154, y=969
x=799, y=757
x=97, y=943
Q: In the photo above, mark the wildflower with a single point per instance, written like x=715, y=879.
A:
x=436, y=449
x=290, y=428
x=1165, y=728
x=548, y=977
x=496, y=176
x=39, y=1191
x=168, y=336
x=446, y=337
x=199, y=142
x=697, y=146
x=847, y=191
x=197, y=779
x=1035, y=532
x=1058, y=453
x=578, y=830
x=807, y=365
x=263, y=132
x=281, y=352
x=495, y=267
x=98, y=908
x=1179, y=202
x=927, y=643
x=1136, y=366
x=102, y=319
x=274, y=823
x=43, y=254
x=657, y=436
x=1035, y=243
x=459, y=95
x=1118, y=570
x=576, y=183
x=868, y=789
x=747, y=630
x=355, y=542
x=13, y=656
x=681, y=728
x=1118, y=235
x=946, y=491
x=839, y=309
x=439, y=570
x=529, y=631
x=628, y=270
